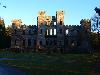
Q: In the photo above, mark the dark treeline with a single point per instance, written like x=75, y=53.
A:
x=4, y=38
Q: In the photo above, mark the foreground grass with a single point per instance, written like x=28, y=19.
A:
x=52, y=64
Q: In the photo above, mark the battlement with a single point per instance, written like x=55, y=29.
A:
x=41, y=12
x=72, y=25
x=60, y=12
x=85, y=21
x=17, y=22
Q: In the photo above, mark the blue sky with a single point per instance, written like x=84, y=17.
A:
x=27, y=10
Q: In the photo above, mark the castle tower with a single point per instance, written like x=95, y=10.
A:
x=48, y=20
x=86, y=23
x=53, y=20
x=17, y=22
x=60, y=17
x=85, y=34
x=41, y=18
x=40, y=23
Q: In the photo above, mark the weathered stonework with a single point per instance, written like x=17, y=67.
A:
x=51, y=35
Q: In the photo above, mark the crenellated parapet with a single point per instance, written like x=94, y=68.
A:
x=60, y=17
x=86, y=23
x=72, y=26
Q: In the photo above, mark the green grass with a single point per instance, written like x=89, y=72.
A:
x=52, y=64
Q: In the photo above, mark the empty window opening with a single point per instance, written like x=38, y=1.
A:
x=47, y=32
x=29, y=31
x=54, y=31
x=29, y=42
x=40, y=42
x=54, y=23
x=67, y=32
x=15, y=31
x=40, y=31
x=23, y=42
x=50, y=31
x=61, y=23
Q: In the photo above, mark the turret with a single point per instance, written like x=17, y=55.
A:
x=17, y=22
x=60, y=17
x=86, y=23
x=41, y=18
x=48, y=20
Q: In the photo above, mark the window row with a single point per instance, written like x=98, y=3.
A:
x=28, y=42
x=24, y=32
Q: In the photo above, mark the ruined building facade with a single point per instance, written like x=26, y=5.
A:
x=51, y=34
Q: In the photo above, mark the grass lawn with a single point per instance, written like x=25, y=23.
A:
x=52, y=64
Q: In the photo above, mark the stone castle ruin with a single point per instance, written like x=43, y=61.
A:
x=51, y=35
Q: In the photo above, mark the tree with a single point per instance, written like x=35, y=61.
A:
x=95, y=28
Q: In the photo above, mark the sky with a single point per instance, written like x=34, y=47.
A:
x=27, y=10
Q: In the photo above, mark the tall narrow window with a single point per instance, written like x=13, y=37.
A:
x=54, y=23
x=47, y=31
x=50, y=31
x=15, y=31
x=29, y=42
x=34, y=42
x=54, y=31
x=60, y=22
x=40, y=31
x=15, y=42
x=40, y=42
x=46, y=42
x=67, y=32
x=23, y=42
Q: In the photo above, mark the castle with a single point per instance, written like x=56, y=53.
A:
x=51, y=35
